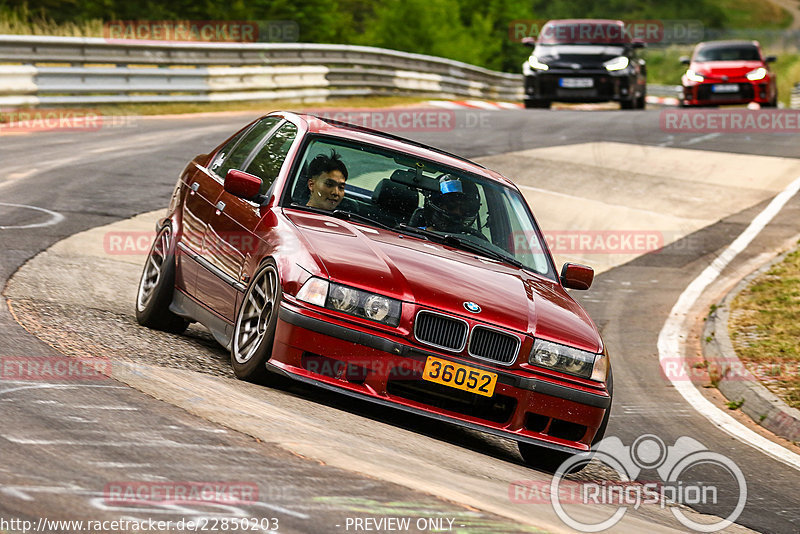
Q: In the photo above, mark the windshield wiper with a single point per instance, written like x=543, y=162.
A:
x=421, y=232
x=350, y=216
x=459, y=242
x=342, y=214
x=454, y=240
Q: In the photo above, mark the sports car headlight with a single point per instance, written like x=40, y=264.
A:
x=351, y=301
x=535, y=64
x=692, y=76
x=568, y=360
x=618, y=63
x=314, y=291
x=757, y=74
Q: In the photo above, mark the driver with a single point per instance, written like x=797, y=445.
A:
x=326, y=182
x=454, y=207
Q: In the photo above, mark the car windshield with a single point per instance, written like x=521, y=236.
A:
x=583, y=33
x=387, y=189
x=572, y=52
x=728, y=53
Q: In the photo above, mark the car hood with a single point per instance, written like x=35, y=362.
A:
x=440, y=277
x=731, y=69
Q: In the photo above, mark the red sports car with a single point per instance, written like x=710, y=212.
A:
x=384, y=269
x=728, y=72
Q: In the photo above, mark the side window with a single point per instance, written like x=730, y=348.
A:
x=267, y=162
x=235, y=156
x=223, y=154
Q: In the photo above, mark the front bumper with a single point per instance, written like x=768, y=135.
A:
x=312, y=348
x=703, y=94
x=548, y=86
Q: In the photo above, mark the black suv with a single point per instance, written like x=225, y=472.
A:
x=584, y=61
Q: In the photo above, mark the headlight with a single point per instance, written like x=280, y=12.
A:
x=314, y=291
x=692, y=76
x=351, y=301
x=618, y=63
x=534, y=63
x=757, y=74
x=343, y=298
x=569, y=360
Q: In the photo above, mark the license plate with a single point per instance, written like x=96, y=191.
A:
x=459, y=376
x=725, y=88
x=576, y=83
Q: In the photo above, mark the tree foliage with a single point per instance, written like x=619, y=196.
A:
x=473, y=31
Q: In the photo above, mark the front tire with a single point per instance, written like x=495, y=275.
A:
x=254, y=330
x=157, y=285
x=537, y=104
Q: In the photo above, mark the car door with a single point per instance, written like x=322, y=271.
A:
x=197, y=208
x=231, y=233
x=200, y=205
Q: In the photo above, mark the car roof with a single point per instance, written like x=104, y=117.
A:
x=724, y=44
x=353, y=132
x=585, y=21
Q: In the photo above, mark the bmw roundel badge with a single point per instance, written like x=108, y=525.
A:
x=472, y=307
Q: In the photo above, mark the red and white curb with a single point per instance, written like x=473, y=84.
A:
x=663, y=100
x=481, y=104
x=473, y=104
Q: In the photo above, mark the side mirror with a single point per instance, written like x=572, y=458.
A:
x=770, y=59
x=685, y=60
x=241, y=184
x=638, y=44
x=576, y=276
x=528, y=41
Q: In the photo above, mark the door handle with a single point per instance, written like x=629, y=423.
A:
x=194, y=187
x=220, y=206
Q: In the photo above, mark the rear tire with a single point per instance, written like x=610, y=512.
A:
x=254, y=330
x=157, y=285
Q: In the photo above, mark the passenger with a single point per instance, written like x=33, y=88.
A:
x=454, y=207
x=328, y=175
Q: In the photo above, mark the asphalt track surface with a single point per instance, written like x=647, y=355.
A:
x=79, y=176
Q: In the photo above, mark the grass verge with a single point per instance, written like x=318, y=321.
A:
x=764, y=328
x=262, y=106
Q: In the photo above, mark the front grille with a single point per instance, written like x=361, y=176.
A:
x=497, y=409
x=493, y=345
x=576, y=93
x=441, y=331
x=745, y=91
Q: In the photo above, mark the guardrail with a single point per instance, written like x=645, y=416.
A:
x=38, y=70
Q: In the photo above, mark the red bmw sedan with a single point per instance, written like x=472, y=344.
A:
x=384, y=269
x=729, y=72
